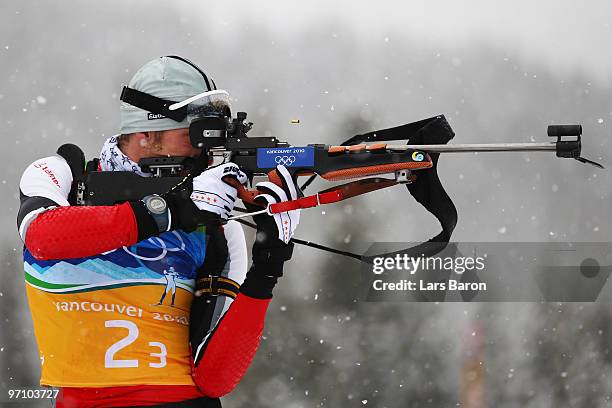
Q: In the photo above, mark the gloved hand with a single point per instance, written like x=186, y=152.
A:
x=195, y=201
x=211, y=193
x=272, y=245
x=282, y=225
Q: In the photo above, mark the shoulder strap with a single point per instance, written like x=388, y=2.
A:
x=75, y=158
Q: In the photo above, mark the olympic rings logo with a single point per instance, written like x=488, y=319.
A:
x=161, y=244
x=285, y=160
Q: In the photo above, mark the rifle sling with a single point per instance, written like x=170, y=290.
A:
x=427, y=188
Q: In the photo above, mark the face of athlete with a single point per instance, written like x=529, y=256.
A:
x=166, y=143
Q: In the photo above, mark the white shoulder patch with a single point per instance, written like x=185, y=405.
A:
x=49, y=177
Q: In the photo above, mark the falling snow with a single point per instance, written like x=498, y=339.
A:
x=405, y=350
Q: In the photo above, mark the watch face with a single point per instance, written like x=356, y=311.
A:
x=156, y=205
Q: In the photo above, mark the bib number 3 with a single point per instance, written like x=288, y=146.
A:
x=109, y=357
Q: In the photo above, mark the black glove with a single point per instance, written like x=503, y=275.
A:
x=269, y=251
x=214, y=199
x=177, y=211
x=184, y=214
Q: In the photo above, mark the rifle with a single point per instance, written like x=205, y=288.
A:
x=363, y=157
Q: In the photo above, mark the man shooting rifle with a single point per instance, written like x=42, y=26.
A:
x=94, y=273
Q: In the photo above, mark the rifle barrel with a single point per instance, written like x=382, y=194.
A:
x=479, y=147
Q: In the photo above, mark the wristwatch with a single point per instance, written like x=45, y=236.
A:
x=158, y=209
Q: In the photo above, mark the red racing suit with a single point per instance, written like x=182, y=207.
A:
x=111, y=305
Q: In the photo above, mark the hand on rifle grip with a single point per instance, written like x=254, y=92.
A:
x=215, y=189
x=274, y=177
x=246, y=195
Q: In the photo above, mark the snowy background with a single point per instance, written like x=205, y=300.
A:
x=500, y=71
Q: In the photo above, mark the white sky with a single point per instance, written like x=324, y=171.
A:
x=566, y=34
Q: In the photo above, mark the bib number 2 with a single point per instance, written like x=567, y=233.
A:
x=109, y=357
